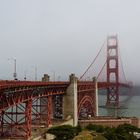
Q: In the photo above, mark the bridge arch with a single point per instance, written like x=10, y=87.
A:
x=86, y=107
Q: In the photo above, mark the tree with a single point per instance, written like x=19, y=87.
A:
x=122, y=132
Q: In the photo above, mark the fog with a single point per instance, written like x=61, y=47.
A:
x=60, y=37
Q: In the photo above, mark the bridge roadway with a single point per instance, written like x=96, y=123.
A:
x=14, y=92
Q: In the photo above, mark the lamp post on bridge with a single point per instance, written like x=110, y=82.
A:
x=35, y=73
x=25, y=75
x=15, y=73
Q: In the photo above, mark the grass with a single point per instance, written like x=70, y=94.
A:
x=100, y=138
x=86, y=135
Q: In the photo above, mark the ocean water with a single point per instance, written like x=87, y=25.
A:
x=130, y=105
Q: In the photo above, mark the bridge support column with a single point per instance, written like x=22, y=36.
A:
x=96, y=96
x=28, y=118
x=49, y=111
x=70, y=109
x=46, y=78
x=112, y=71
x=46, y=107
x=1, y=122
x=15, y=122
x=46, y=110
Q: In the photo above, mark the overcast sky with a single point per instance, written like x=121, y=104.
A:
x=64, y=36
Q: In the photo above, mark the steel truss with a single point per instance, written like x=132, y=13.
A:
x=16, y=121
x=22, y=107
x=86, y=104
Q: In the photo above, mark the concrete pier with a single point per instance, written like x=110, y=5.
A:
x=45, y=103
x=46, y=78
x=70, y=108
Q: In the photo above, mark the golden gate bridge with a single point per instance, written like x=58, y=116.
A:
x=27, y=103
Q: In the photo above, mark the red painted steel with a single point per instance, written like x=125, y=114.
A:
x=49, y=109
x=28, y=118
x=12, y=94
x=86, y=99
x=16, y=122
x=36, y=120
x=23, y=100
x=18, y=96
x=86, y=106
x=112, y=71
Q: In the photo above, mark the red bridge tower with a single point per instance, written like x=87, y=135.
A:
x=112, y=71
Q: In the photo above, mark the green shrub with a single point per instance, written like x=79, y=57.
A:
x=91, y=127
x=100, y=129
x=78, y=129
x=64, y=132
x=97, y=128
x=122, y=132
x=126, y=128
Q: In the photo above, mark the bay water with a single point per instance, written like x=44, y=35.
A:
x=129, y=105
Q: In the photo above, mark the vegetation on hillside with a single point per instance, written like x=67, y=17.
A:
x=122, y=132
x=64, y=132
x=94, y=132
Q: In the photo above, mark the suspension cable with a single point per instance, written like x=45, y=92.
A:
x=102, y=67
x=92, y=61
x=101, y=70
